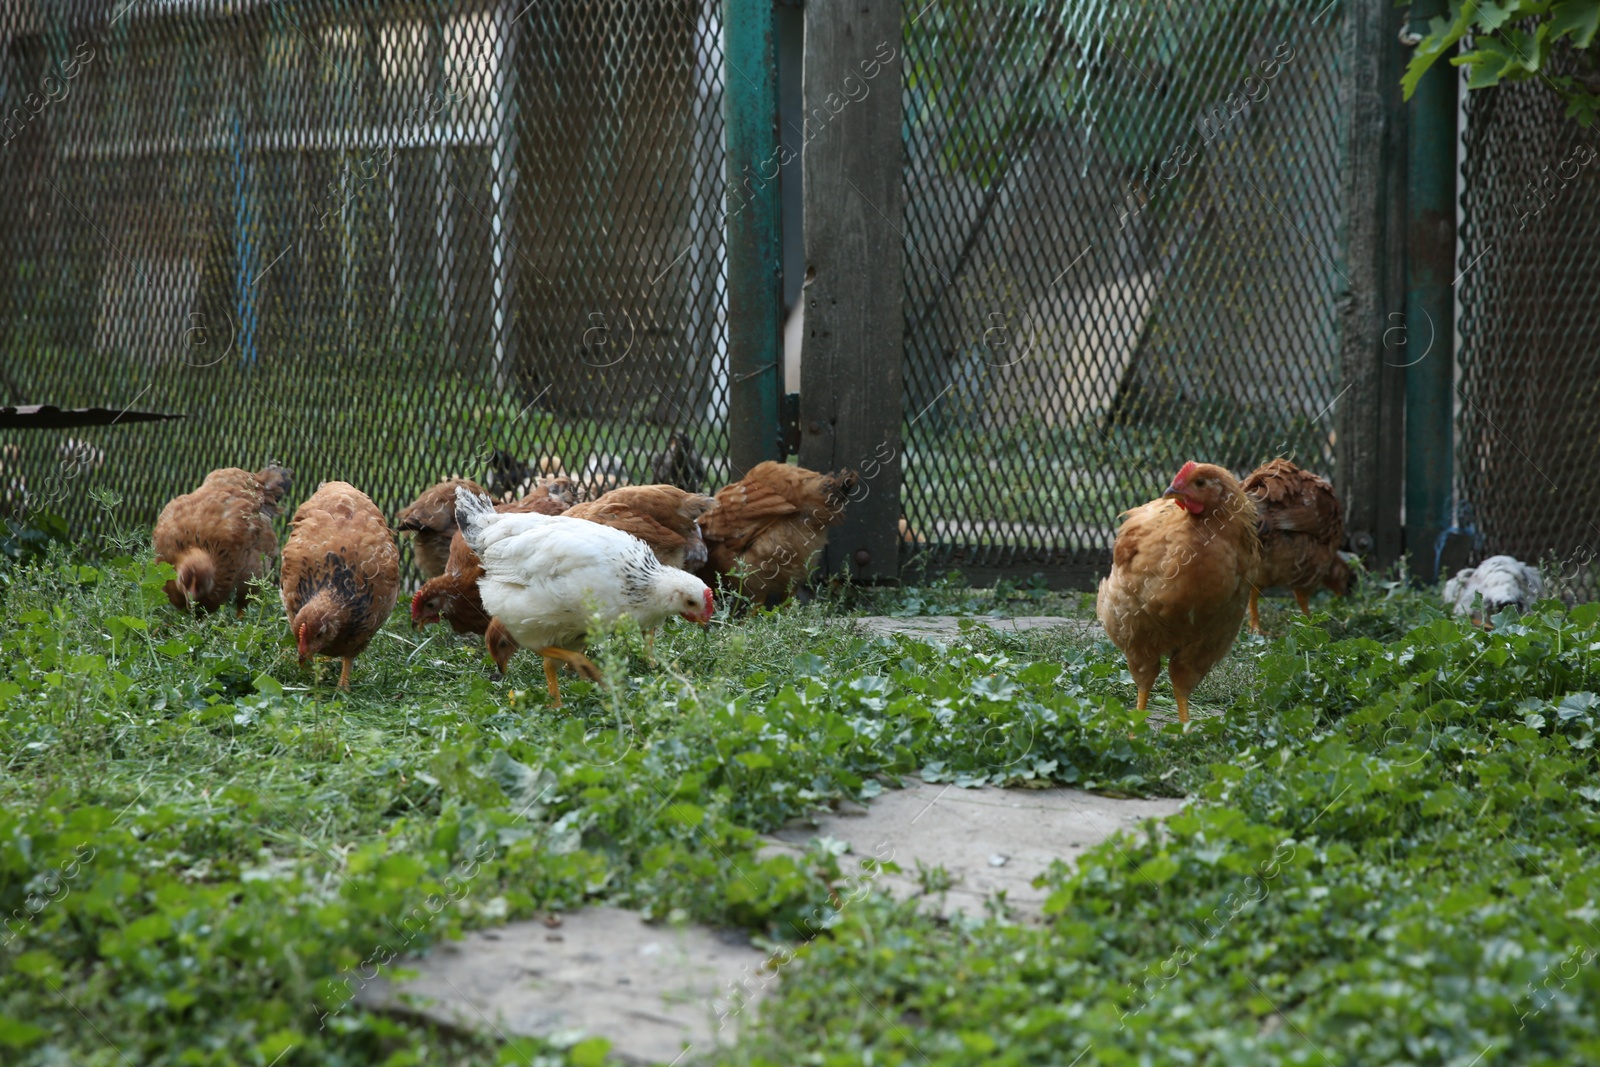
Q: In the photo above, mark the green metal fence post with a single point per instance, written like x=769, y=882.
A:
x=1430, y=309
x=755, y=353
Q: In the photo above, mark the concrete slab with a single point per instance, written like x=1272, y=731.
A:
x=651, y=990
x=988, y=840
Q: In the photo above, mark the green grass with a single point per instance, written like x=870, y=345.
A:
x=204, y=848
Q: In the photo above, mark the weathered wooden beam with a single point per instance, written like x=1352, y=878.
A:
x=1369, y=408
x=755, y=342
x=852, y=352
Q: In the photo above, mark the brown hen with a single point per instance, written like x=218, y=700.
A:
x=1301, y=528
x=769, y=524
x=453, y=595
x=662, y=516
x=341, y=574
x=219, y=538
x=432, y=516
x=1180, y=579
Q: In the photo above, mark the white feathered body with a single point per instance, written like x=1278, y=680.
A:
x=545, y=577
x=1500, y=580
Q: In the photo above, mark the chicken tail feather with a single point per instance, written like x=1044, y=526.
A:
x=473, y=512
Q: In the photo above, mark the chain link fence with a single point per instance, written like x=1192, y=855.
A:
x=375, y=242
x=389, y=242
x=1528, y=373
x=1121, y=253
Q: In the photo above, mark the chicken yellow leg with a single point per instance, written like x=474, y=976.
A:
x=551, y=684
x=1144, y=672
x=1303, y=598
x=576, y=660
x=1144, y=698
x=344, y=673
x=1255, y=611
x=1183, y=706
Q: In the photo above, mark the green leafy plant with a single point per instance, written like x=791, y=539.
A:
x=29, y=538
x=207, y=850
x=1516, y=40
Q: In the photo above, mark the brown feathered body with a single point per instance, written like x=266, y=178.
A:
x=432, y=516
x=219, y=538
x=1301, y=525
x=452, y=595
x=1180, y=579
x=769, y=524
x=431, y=520
x=341, y=574
x=662, y=516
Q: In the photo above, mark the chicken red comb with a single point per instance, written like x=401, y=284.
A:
x=1184, y=472
x=710, y=605
x=416, y=604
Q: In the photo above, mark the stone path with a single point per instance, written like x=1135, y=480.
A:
x=649, y=989
x=988, y=840
x=656, y=992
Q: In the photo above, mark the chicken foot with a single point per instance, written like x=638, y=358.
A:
x=1301, y=597
x=576, y=660
x=1184, y=679
x=1183, y=704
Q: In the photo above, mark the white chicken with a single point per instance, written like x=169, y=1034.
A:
x=1500, y=580
x=545, y=578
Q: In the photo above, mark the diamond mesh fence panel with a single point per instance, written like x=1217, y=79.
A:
x=377, y=242
x=1528, y=371
x=1121, y=254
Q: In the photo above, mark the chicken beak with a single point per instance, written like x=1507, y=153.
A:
x=1193, y=507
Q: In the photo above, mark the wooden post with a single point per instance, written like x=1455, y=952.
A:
x=755, y=344
x=1370, y=408
x=851, y=355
